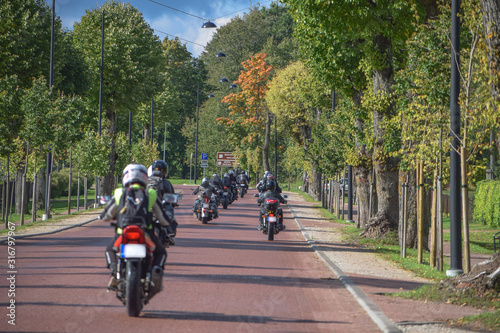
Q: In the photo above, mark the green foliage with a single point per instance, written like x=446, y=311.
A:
x=10, y=117
x=92, y=153
x=25, y=39
x=38, y=114
x=144, y=153
x=132, y=54
x=60, y=184
x=487, y=203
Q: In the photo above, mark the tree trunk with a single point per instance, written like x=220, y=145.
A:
x=107, y=185
x=491, y=22
x=362, y=170
x=267, y=139
x=411, y=210
x=315, y=186
x=18, y=194
x=386, y=168
x=40, y=190
x=362, y=181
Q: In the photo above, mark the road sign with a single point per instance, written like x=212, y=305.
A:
x=225, y=163
x=204, y=164
x=204, y=156
x=225, y=159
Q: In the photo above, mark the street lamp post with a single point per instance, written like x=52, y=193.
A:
x=275, y=150
x=196, y=143
x=152, y=108
x=455, y=214
x=164, y=141
x=51, y=83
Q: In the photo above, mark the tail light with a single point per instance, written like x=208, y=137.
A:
x=133, y=234
x=271, y=201
x=271, y=214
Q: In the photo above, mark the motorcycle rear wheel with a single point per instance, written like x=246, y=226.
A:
x=204, y=220
x=224, y=203
x=133, y=290
x=270, y=231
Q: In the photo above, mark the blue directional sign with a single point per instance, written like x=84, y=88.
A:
x=204, y=156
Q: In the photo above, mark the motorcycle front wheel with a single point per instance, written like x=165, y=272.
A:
x=133, y=288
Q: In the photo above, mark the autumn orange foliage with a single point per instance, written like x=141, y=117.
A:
x=246, y=105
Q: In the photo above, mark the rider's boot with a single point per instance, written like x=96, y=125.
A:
x=113, y=282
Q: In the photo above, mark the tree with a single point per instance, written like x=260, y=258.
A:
x=248, y=105
x=296, y=96
x=340, y=36
x=184, y=73
x=132, y=65
x=491, y=24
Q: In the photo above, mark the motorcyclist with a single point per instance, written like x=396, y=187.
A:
x=269, y=193
x=159, y=170
x=243, y=178
x=262, y=182
x=262, y=186
x=135, y=177
x=227, y=186
x=157, y=180
x=232, y=177
x=209, y=189
x=216, y=181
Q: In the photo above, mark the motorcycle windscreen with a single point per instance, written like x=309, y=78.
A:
x=132, y=251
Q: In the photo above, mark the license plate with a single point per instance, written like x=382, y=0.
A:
x=225, y=193
x=205, y=205
x=271, y=218
x=133, y=251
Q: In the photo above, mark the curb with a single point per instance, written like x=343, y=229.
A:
x=50, y=232
x=382, y=321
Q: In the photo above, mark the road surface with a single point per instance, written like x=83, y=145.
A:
x=220, y=277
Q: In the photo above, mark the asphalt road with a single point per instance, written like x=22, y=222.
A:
x=220, y=277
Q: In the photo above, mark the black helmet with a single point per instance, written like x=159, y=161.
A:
x=270, y=185
x=242, y=172
x=205, y=182
x=160, y=165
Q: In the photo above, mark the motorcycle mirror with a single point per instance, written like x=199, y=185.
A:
x=285, y=196
x=255, y=195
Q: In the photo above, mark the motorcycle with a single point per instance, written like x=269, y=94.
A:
x=170, y=200
x=226, y=197
x=242, y=186
x=272, y=218
x=234, y=190
x=135, y=274
x=204, y=212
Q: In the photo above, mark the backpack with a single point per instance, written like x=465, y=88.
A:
x=156, y=183
x=133, y=208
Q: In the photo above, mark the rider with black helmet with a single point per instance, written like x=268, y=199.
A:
x=209, y=189
x=270, y=192
x=158, y=176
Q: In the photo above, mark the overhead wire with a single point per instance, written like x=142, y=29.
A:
x=195, y=16
x=178, y=37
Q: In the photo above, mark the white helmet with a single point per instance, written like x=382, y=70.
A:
x=135, y=173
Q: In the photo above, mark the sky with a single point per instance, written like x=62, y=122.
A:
x=183, y=21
